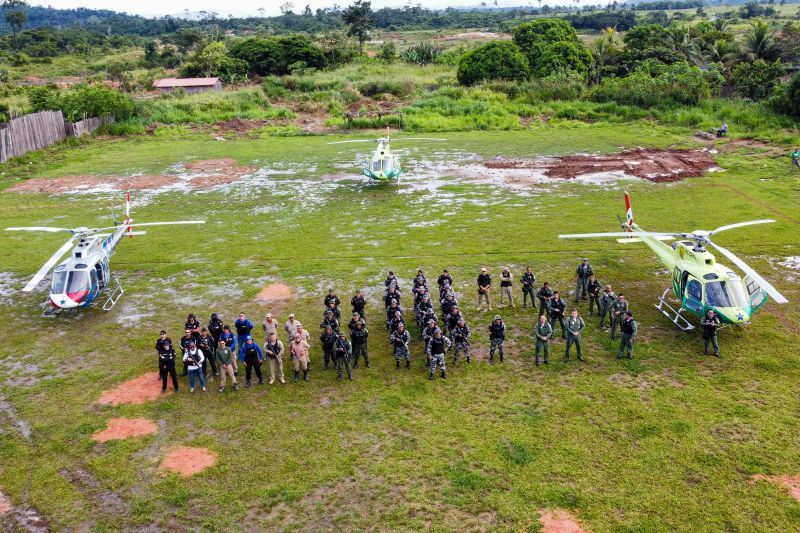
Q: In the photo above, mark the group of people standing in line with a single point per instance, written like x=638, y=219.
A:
x=223, y=348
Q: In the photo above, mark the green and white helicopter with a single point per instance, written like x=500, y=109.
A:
x=385, y=164
x=698, y=281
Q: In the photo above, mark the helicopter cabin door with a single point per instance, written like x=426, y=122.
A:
x=755, y=293
x=693, y=294
x=94, y=285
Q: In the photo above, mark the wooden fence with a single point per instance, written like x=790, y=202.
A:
x=40, y=130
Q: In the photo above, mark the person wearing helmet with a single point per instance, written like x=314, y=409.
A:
x=399, y=340
x=342, y=351
x=460, y=334
x=252, y=357
x=497, y=336
x=194, y=362
x=435, y=349
x=354, y=321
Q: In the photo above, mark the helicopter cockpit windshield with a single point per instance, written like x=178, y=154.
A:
x=724, y=294
x=66, y=282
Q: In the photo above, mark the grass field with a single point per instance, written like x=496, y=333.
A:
x=667, y=442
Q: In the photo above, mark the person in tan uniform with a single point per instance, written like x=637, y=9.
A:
x=299, y=350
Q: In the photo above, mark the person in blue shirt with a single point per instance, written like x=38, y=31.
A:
x=243, y=328
x=251, y=355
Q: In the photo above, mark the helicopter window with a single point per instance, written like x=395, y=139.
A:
x=74, y=281
x=710, y=275
x=376, y=166
x=674, y=245
x=694, y=290
x=718, y=294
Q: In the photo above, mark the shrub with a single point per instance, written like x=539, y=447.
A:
x=498, y=60
x=264, y=57
x=422, y=53
x=388, y=52
x=376, y=87
x=756, y=80
x=83, y=100
x=533, y=38
x=786, y=98
x=561, y=57
x=678, y=84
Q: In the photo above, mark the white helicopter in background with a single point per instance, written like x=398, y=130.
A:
x=384, y=165
x=86, y=274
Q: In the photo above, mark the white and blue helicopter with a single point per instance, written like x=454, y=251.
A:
x=78, y=281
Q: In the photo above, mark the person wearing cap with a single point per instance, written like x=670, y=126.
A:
x=230, y=342
x=215, y=327
x=328, y=339
x=358, y=303
x=269, y=326
x=243, y=328
x=497, y=337
x=607, y=299
x=291, y=327
x=460, y=334
x=428, y=331
x=575, y=327
x=556, y=308
x=299, y=350
x=484, y=289
x=166, y=361
x=206, y=343
x=342, y=351
x=392, y=295
x=184, y=344
x=452, y=320
x=251, y=355
x=582, y=273
x=594, y=288
x=355, y=320
x=358, y=338
x=527, y=280
x=506, y=283
x=399, y=340
x=424, y=307
x=543, y=332
x=329, y=321
x=435, y=350
x=192, y=325
x=273, y=350
x=396, y=321
x=618, y=309
x=629, y=327
x=331, y=298
x=160, y=342
x=194, y=362
x=419, y=280
x=225, y=358
x=391, y=311
x=444, y=278
x=334, y=310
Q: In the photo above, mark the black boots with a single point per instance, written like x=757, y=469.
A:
x=398, y=364
x=408, y=363
x=296, y=376
x=430, y=376
x=305, y=375
x=247, y=384
x=444, y=374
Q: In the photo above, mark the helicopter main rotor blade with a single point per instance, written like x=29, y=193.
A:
x=177, y=222
x=34, y=281
x=418, y=139
x=766, y=285
x=740, y=224
x=41, y=228
x=619, y=234
x=354, y=141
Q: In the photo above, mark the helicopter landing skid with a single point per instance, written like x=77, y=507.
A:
x=116, y=292
x=676, y=317
x=50, y=311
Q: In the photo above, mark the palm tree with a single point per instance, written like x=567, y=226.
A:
x=680, y=39
x=720, y=51
x=759, y=42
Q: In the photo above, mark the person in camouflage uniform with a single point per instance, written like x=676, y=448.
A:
x=618, y=309
x=575, y=327
x=497, y=336
x=629, y=328
x=528, y=279
x=543, y=332
x=607, y=298
x=460, y=334
x=435, y=350
x=399, y=340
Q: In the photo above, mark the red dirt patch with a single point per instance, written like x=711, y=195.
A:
x=125, y=428
x=560, y=521
x=187, y=461
x=143, y=389
x=653, y=165
x=790, y=483
x=5, y=504
x=274, y=292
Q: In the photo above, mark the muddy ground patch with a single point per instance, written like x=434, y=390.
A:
x=145, y=388
x=125, y=428
x=187, y=461
x=560, y=521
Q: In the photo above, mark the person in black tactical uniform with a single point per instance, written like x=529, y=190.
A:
x=332, y=298
x=166, y=365
x=396, y=321
x=329, y=321
x=328, y=339
x=399, y=341
x=358, y=339
x=419, y=296
x=390, y=312
x=497, y=337
x=334, y=310
x=358, y=302
x=342, y=351
x=710, y=325
x=594, y=289
x=184, y=343
x=160, y=342
x=192, y=325
x=420, y=281
x=556, y=307
x=629, y=328
x=455, y=316
x=435, y=349
x=390, y=280
x=215, y=326
x=355, y=320
x=447, y=306
x=528, y=279
x=392, y=295
x=206, y=343
x=444, y=278
x=460, y=334
x=544, y=294
x=252, y=357
x=424, y=309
